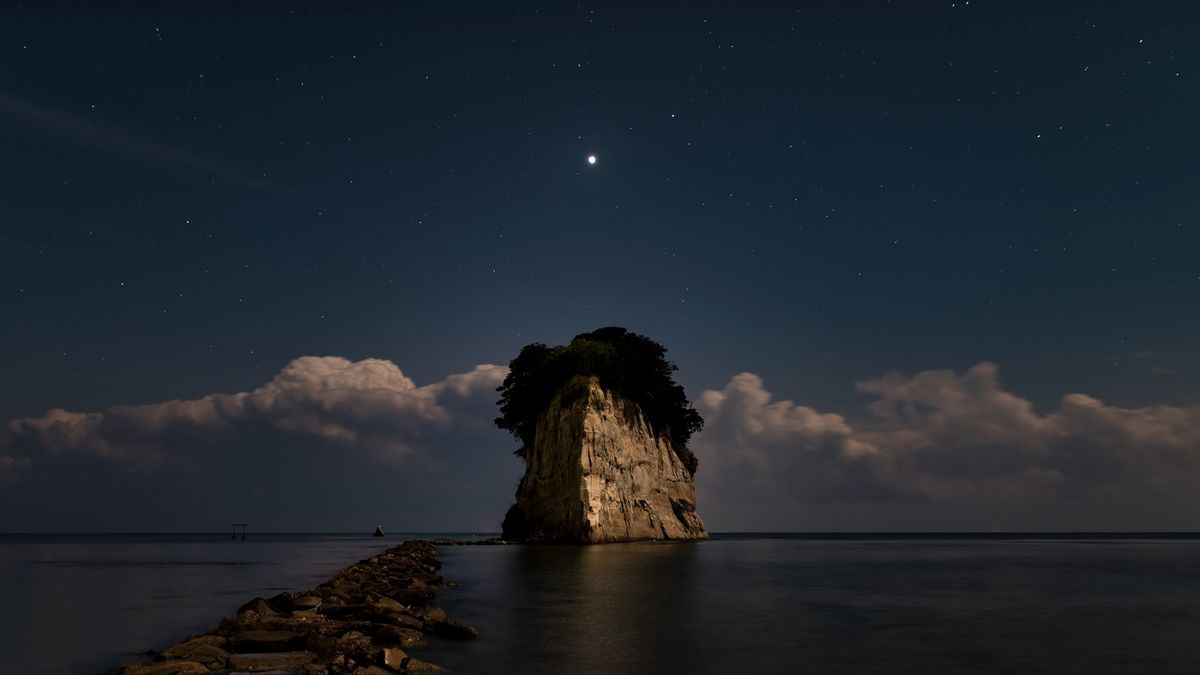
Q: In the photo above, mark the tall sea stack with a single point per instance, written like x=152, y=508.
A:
x=605, y=431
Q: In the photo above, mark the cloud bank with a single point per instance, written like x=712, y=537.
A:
x=367, y=406
x=947, y=448
x=329, y=441
x=351, y=432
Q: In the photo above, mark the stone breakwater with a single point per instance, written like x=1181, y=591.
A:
x=361, y=622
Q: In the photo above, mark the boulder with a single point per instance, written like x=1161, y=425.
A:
x=358, y=647
x=395, y=658
x=372, y=670
x=199, y=641
x=452, y=628
x=306, y=602
x=415, y=593
x=406, y=620
x=396, y=635
x=210, y=655
x=344, y=611
x=259, y=606
x=385, y=603
x=266, y=641
x=165, y=668
x=270, y=661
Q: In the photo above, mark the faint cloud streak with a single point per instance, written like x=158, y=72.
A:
x=122, y=142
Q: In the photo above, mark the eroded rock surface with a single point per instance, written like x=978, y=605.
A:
x=597, y=473
x=361, y=622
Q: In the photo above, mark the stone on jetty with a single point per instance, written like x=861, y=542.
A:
x=361, y=622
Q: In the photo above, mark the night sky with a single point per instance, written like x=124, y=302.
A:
x=923, y=266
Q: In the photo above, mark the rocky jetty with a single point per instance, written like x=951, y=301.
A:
x=361, y=622
x=596, y=473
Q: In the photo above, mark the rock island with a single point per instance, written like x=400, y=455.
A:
x=604, y=429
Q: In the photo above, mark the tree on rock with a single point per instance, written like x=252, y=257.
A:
x=630, y=365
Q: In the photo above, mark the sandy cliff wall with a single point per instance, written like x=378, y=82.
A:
x=597, y=474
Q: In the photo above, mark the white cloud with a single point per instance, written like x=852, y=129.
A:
x=935, y=449
x=366, y=405
x=754, y=449
x=952, y=441
x=966, y=428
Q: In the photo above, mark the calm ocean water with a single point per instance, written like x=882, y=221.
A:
x=740, y=603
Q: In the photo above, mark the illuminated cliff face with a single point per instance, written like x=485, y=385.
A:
x=597, y=474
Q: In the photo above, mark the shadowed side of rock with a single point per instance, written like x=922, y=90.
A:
x=597, y=473
x=361, y=622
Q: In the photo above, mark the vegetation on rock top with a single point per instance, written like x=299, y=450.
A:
x=630, y=365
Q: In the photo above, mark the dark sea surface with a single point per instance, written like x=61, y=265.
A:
x=739, y=603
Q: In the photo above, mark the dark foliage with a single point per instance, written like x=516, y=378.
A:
x=513, y=527
x=630, y=365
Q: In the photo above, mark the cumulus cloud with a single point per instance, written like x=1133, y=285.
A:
x=948, y=440
x=935, y=450
x=354, y=441
x=368, y=405
x=751, y=443
x=964, y=430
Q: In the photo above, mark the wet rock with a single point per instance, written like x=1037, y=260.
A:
x=372, y=670
x=433, y=614
x=340, y=627
x=282, y=602
x=429, y=579
x=344, y=611
x=266, y=641
x=306, y=602
x=196, y=642
x=259, y=606
x=270, y=661
x=395, y=658
x=437, y=623
x=406, y=620
x=210, y=655
x=416, y=594
x=358, y=648
x=388, y=604
x=453, y=629
x=165, y=668
x=395, y=635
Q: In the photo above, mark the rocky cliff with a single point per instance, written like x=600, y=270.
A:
x=596, y=473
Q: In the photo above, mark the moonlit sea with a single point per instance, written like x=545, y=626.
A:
x=740, y=603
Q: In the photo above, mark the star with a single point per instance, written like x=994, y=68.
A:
x=591, y=159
